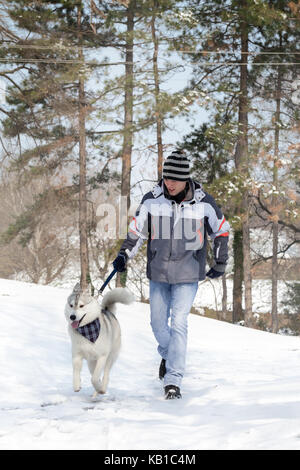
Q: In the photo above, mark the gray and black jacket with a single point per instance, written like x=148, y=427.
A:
x=177, y=234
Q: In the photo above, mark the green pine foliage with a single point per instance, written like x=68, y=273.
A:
x=291, y=303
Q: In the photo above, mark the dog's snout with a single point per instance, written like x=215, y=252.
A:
x=72, y=317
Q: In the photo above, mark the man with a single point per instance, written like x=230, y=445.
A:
x=175, y=218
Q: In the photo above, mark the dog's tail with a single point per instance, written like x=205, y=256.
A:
x=119, y=294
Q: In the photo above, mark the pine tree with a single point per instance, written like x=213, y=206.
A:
x=140, y=104
x=279, y=44
x=51, y=105
x=222, y=64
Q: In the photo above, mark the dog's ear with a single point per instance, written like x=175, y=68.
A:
x=77, y=288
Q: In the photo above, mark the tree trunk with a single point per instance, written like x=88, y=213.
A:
x=275, y=279
x=275, y=204
x=247, y=262
x=242, y=161
x=128, y=107
x=224, y=298
x=83, y=232
x=128, y=116
x=238, y=274
x=156, y=93
x=245, y=169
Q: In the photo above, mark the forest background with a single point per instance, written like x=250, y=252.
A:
x=95, y=94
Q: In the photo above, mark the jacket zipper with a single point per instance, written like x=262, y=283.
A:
x=171, y=234
x=176, y=215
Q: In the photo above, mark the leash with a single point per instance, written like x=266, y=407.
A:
x=107, y=281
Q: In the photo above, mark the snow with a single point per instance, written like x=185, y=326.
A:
x=210, y=295
x=241, y=388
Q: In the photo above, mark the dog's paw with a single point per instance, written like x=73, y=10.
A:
x=77, y=389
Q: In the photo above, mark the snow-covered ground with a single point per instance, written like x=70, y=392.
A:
x=241, y=389
x=210, y=295
x=209, y=292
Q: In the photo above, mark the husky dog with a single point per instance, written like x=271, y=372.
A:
x=95, y=333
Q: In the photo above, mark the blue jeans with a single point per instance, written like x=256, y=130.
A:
x=171, y=301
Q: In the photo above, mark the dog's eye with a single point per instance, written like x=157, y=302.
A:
x=81, y=306
x=71, y=305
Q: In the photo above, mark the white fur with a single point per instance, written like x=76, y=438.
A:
x=116, y=295
x=101, y=354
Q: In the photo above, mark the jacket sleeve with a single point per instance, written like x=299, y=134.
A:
x=218, y=230
x=138, y=231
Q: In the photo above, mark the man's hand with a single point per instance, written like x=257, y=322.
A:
x=120, y=262
x=212, y=273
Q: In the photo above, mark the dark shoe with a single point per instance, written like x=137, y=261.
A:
x=171, y=392
x=162, y=369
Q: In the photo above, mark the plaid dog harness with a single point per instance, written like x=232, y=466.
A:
x=90, y=331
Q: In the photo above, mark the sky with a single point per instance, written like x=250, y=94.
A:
x=143, y=164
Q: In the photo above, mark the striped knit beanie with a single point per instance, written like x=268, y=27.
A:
x=176, y=167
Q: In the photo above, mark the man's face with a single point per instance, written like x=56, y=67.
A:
x=174, y=187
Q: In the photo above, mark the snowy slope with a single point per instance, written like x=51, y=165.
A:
x=241, y=389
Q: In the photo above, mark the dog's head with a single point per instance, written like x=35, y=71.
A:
x=81, y=308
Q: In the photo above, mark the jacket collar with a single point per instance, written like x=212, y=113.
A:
x=194, y=194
